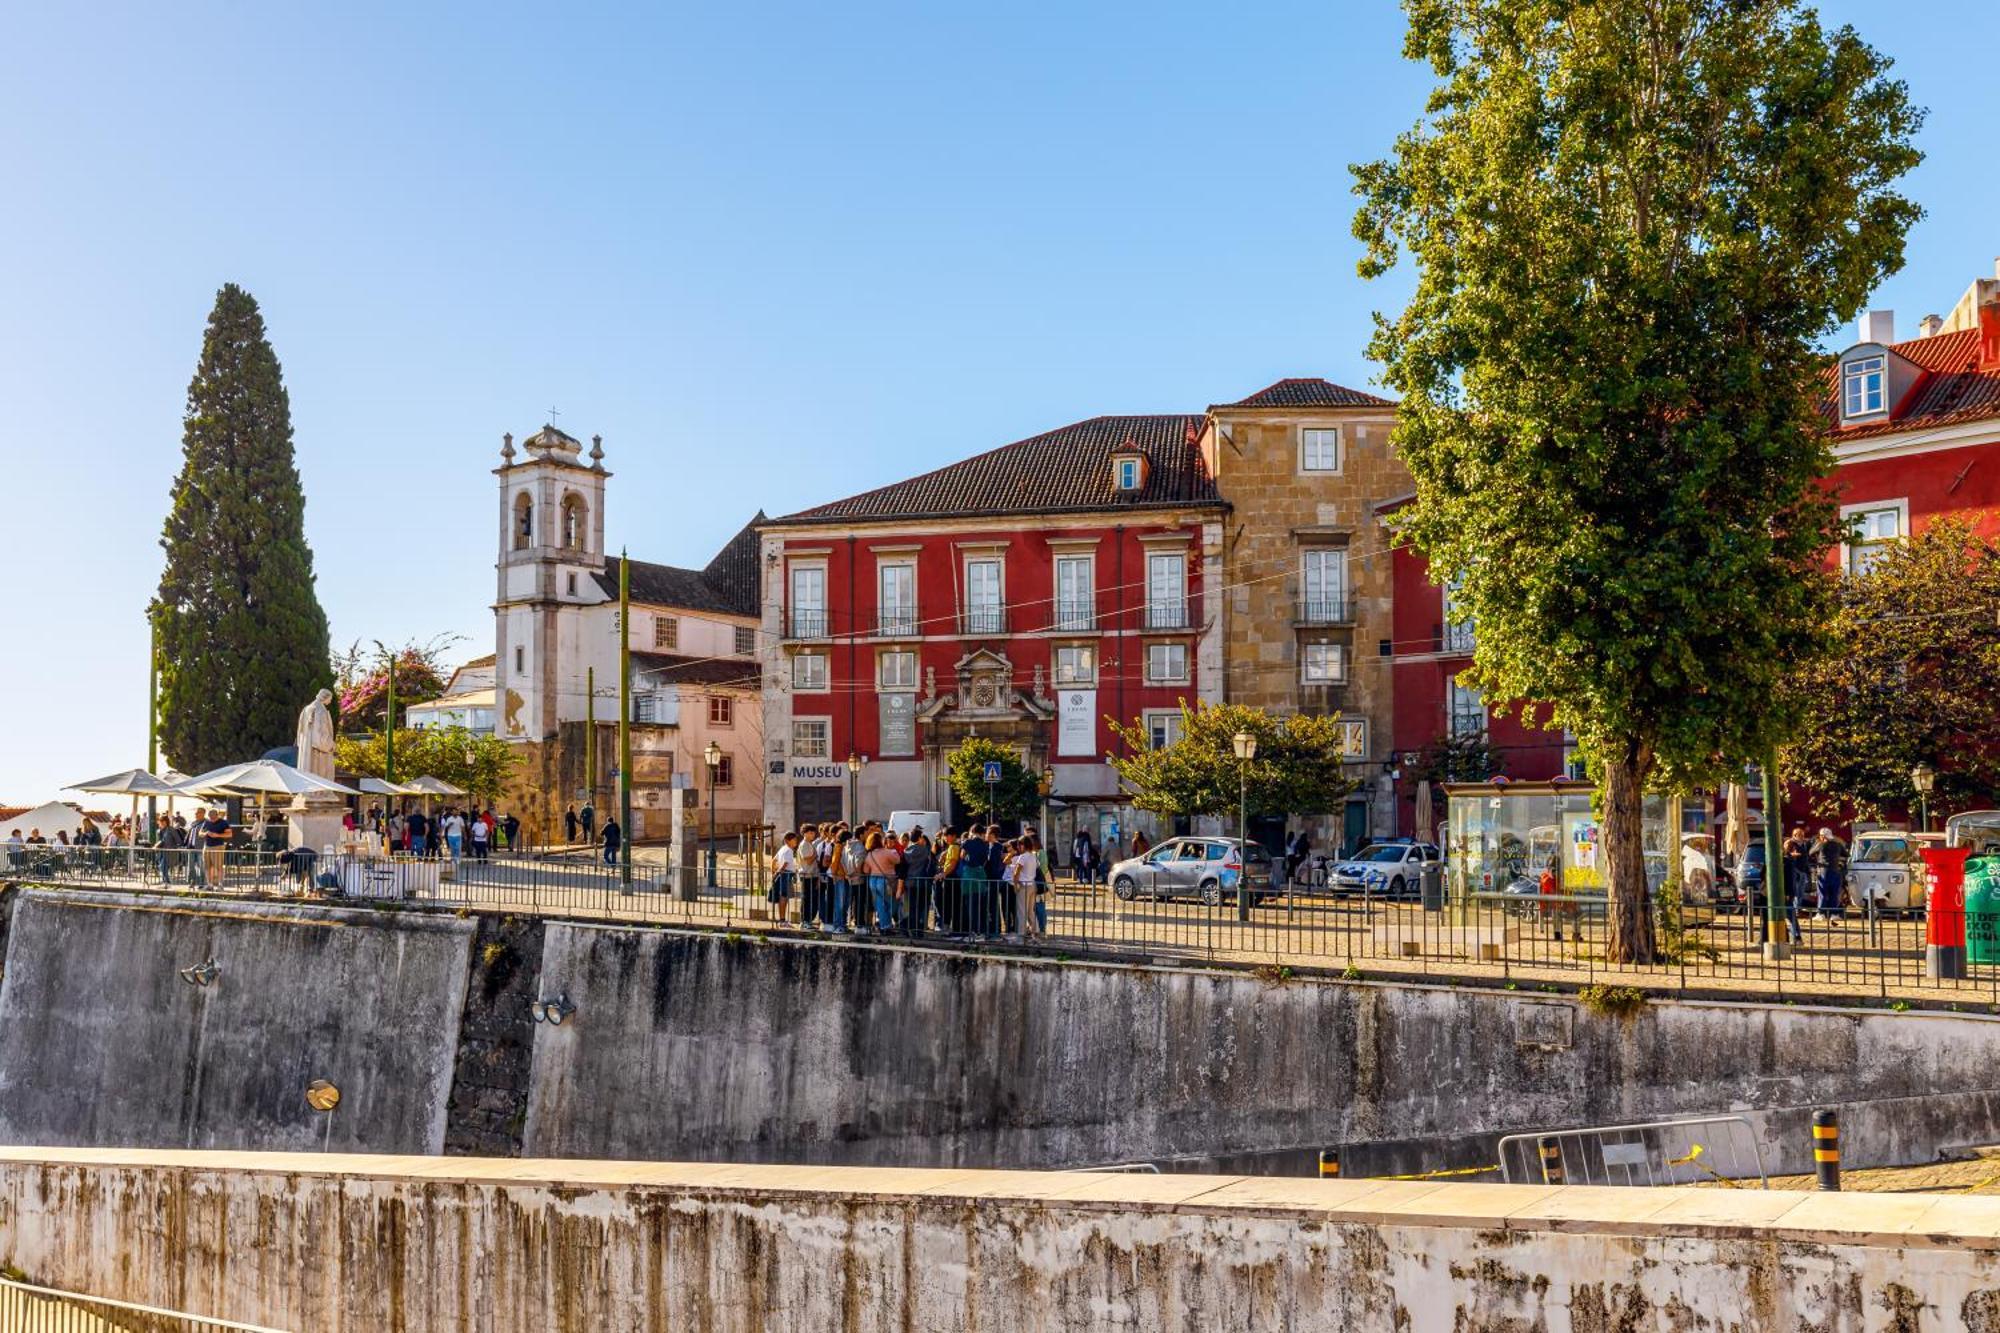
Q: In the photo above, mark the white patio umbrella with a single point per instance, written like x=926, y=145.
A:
x=437, y=786
x=260, y=777
x=133, y=782
x=384, y=787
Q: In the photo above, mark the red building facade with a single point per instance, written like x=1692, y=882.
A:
x=1028, y=595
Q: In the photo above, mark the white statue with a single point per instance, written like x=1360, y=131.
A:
x=315, y=738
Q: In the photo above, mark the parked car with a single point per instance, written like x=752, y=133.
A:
x=1885, y=867
x=1702, y=880
x=1204, y=868
x=1392, y=869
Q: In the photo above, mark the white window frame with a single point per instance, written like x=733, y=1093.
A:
x=1354, y=739
x=1081, y=671
x=1163, y=726
x=1864, y=386
x=810, y=726
x=1457, y=708
x=1154, y=676
x=795, y=606
x=1331, y=668
x=1126, y=474
x=811, y=680
x=889, y=679
x=999, y=604
x=1314, y=441
x=1076, y=611
x=1154, y=603
x=1325, y=598
x=899, y=618
x=1457, y=635
x=1850, y=549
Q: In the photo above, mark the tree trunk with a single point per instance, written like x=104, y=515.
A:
x=1630, y=924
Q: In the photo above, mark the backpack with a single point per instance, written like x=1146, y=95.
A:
x=850, y=859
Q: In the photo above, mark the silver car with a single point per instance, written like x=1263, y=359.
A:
x=1205, y=868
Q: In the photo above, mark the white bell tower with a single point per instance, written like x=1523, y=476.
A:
x=551, y=550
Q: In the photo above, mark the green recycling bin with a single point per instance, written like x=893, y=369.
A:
x=1982, y=909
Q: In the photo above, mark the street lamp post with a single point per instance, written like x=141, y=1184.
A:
x=712, y=756
x=1923, y=777
x=1246, y=750
x=854, y=763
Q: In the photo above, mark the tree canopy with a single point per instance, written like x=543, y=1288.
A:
x=1914, y=678
x=1632, y=222
x=1298, y=769
x=1015, y=796
x=478, y=763
x=361, y=680
x=242, y=638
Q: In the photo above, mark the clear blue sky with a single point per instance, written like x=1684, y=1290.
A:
x=773, y=253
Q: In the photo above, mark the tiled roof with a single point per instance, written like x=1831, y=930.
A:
x=678, y=670
x=1061, y=471
x=477, y=662
x=727, y=586
x=1957, y=390
x=1310, y=391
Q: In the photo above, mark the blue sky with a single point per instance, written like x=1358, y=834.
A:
x=773, y=253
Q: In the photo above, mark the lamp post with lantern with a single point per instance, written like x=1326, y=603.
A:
x=1923, y=777
x=1246, y=750
x=855, y=763
x=712, y=756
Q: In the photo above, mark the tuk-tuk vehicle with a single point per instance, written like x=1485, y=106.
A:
x=1976, y=829
x=1885, y=867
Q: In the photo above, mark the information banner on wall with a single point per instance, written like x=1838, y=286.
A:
x=1076, y=722
x=899, y=723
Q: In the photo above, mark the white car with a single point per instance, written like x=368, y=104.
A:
x=1885, y=867
x=1394, y=869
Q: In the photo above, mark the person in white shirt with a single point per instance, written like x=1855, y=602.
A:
x=784, y=869
x=454, y=834
x=1021, y=865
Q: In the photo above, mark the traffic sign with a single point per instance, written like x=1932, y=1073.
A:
x=992, y=770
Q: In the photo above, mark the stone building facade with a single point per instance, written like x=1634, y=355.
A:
x=1303, y=465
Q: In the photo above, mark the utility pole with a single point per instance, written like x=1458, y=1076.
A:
x=590, y=733
x=153, y=723
x=1776, y=947
x=388, y=715
x=625, y=720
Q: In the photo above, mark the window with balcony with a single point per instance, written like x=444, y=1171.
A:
x=896, y=604
x=985, y=612
x=897, y=671
x=1323, y=664
x=1076, y=664
x=1076, y=599
x=1319, y=449
x=808, y=603
x=1166, y=663
x=1862, y=386
x=1166, y=590
x=746, y=641
x=811, y=737
x=1872, y=530
x=809, y=671
x=1465, y=712
x=1323, y=586
x=1458, y=637
x=721, y=711
x=666, y=631
x=1163, y=728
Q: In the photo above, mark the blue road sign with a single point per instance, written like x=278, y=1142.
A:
x=992, y=770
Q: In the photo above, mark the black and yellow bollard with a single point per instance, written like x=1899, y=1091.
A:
x=1329, y=1163
x=1826, y=1148
x=1552, y=1160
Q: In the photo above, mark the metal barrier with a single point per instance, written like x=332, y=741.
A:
x=1663, y=1152
x=31, y=1309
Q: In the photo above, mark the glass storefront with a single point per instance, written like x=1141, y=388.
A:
x=1505, y=834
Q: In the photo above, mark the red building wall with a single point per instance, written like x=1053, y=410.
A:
x=1943, y=481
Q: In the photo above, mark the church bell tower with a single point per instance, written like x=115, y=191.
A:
x=551, y=551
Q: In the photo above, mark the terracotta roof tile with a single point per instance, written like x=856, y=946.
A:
x=1957, y=390
x=1310, y=391
x=1067, y=470
x=728, y=585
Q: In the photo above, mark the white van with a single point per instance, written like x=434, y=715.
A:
x=908, y=821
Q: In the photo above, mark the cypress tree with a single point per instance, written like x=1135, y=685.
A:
x=243, y=641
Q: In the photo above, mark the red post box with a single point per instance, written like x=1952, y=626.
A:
x=1944, y=912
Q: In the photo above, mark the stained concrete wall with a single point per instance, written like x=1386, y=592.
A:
x=347, y=1243
x=102, y=1042
x=703, y=1048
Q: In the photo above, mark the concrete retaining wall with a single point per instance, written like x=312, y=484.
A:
x=703, y=1048
x=102, y=1042
x=359, y=1244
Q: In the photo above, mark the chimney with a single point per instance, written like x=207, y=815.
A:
x=1928, y=326
x=1989, y=333
x=1878, y=326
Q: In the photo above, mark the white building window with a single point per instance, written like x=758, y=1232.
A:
x=808, y=608
x=746, y=641
x=1465, y=711
x=1323, y=664
x=1319, y=449
x=1354, y=738
x=898, y=671
x=811, y=737
x=1166, y=590
x=1457, y=621
x=1163, y=728
x=1871, y=530
x=985, y=609
x=1127, y=474
x=1861, y=382
x=896, y=606
x=666, y=631
x=1076, y=664
x=1076, y=599
x=1166, y=663
x=1323, y=581
x=809, y=671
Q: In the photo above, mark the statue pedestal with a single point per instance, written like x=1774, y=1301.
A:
x=317, y=820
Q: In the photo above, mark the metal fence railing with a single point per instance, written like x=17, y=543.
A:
x=1663, y=1152
x=1523, y=940
x=30, y=1309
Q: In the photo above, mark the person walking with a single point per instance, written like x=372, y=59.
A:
x=612, y=837
x=482, y=834
x=588, y=821
x=1829, y=859
x=570, y=825
x=1798, y=875
x=510, y=825
x=784, y=873
x=1083, y=858
x=454, y=834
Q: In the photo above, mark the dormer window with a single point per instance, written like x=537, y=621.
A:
x=1862, y=391
x=1128, y=471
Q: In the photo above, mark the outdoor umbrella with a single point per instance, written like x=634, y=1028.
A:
x=1426, y=815
x=436, y=786
x=1736, y=831
x=133, y=782
x=260, y=777
x=384, y=787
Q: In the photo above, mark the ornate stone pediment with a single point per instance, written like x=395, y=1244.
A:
x=984, y=691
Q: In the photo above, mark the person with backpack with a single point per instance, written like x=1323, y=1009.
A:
x=975, y=855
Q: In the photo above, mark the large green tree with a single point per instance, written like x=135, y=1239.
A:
x=1914, y=678
x=479, y=763
x=1016, y=796
x=1632, y=222
x=1299, y=768
x=242, y=639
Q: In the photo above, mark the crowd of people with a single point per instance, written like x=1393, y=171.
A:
x=964, y=884
x=458, y=833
